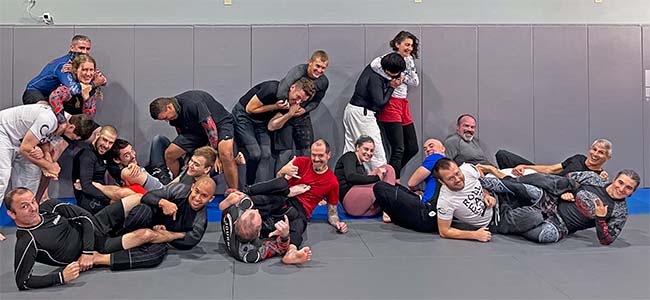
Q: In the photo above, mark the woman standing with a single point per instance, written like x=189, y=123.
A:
x=395, y=118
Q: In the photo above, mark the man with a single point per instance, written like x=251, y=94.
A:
x=88, y=166
x=371, y=94
x=582, y=200
x=256, y=225
x=463, y=146
x=253, y=113
x=410, y=208
x=200, y=120
x=177, y=212
x=57, y=72
x=123, y=156
x=62, y=234
x=599, y=153
x=464, y=197
x=299, y=127
x=315, y=182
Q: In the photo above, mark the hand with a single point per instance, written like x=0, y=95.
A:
x=322, y=203
x=169, y=208
x=518, y=170
x=293, y=109
x=282, y=104
x=301, y=111
x=134, y=170
x=489, y=200
x=341, y=227
x=159, y=228
x=600, y=210
x=604, y=175
x=483, y=234
x=568, y=197
x=52, y=171
x=77, y=185
x=66, y=68
x=394, y=83
x=298, y=189
x=381, y=172
x=2, y=237
x=218, y=166
x=281, y=228
x=85, y=90
x=99, y=79
x=289, y=170
x=71, y=272
x=85, y=262
x=36, y=153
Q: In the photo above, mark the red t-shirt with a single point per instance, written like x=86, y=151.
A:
x=322, y=185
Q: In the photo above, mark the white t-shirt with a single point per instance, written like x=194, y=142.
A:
x=16, y=121
x=467, y=204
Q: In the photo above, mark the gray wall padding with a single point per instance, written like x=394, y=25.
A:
x=542, y=91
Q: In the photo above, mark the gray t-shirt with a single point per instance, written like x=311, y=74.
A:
x=462, y=151
x=467, y=204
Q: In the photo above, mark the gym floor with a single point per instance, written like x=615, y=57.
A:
x=377, y=261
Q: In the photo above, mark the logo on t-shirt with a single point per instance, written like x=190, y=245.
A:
x=474, y=201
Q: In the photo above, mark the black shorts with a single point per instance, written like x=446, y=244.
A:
x=107, y=221
x=297, y=130
x=190, y=141
x=31, y=96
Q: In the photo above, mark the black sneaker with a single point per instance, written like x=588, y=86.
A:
x=162, y=173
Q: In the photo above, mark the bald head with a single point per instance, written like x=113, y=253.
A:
x=433, y=146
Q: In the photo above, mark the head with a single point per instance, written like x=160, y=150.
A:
x=78, y=127
x=80, y=44
x=128, y=176
x=600, y=152
x=466, y=126
x=201, y=161
x=432, y=146
x=163, y=109
x=317, y=64
x=22, y=207
x=446, y=171
x=393, y=64
x=405, y=43
x=202, y=192
x=122, y=153
x=249, y=225
x=320, y=155
x=364, y=148
x=301, y=90
x=83, y=68
x=105, y=139
x=625, y=183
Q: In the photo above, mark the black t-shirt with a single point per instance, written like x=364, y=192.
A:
x=196, y=106
x=350, y=172
x=575, y=163
x=580, y=215
x=266, y=92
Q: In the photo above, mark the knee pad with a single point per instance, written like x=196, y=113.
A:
x=548, y=234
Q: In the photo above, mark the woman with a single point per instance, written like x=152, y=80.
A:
x=395, y=118
x=83, y=70
x=355, y=184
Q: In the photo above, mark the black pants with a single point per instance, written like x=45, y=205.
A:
x=405, y=207
x=507, y=159
x=403, y=143
x=32, y=96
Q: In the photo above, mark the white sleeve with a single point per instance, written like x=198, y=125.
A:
x=410, y=75
x=375, y=65
x=445, y=206
x=470, y=171
x=44, y=126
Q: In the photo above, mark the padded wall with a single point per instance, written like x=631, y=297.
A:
x=544, y=92
x=646, y=104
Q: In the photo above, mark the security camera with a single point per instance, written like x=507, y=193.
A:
x=48, y=18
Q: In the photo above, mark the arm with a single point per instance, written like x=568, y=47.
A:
x=24, y=259
x=204, y=117
x=420, y=174
x=29, y=142
x=378, y=95
x=608, y=229
x=170, y=191
x=278, y=121
x=410, y=75
x=350, y=172
x=90, y=104
x=333, y=219
x=255, y=106
x=193, y=237
x=548, y=169
x=375, y=65
x=68, y=80
x=292, y=76
x=446, y=231
x=87, y=161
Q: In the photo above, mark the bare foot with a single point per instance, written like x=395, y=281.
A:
x=294, y=257
x=386, y=218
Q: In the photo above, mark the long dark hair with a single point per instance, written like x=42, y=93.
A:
x=401, y=36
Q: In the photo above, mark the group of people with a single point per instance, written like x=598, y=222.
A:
x=128, y=219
